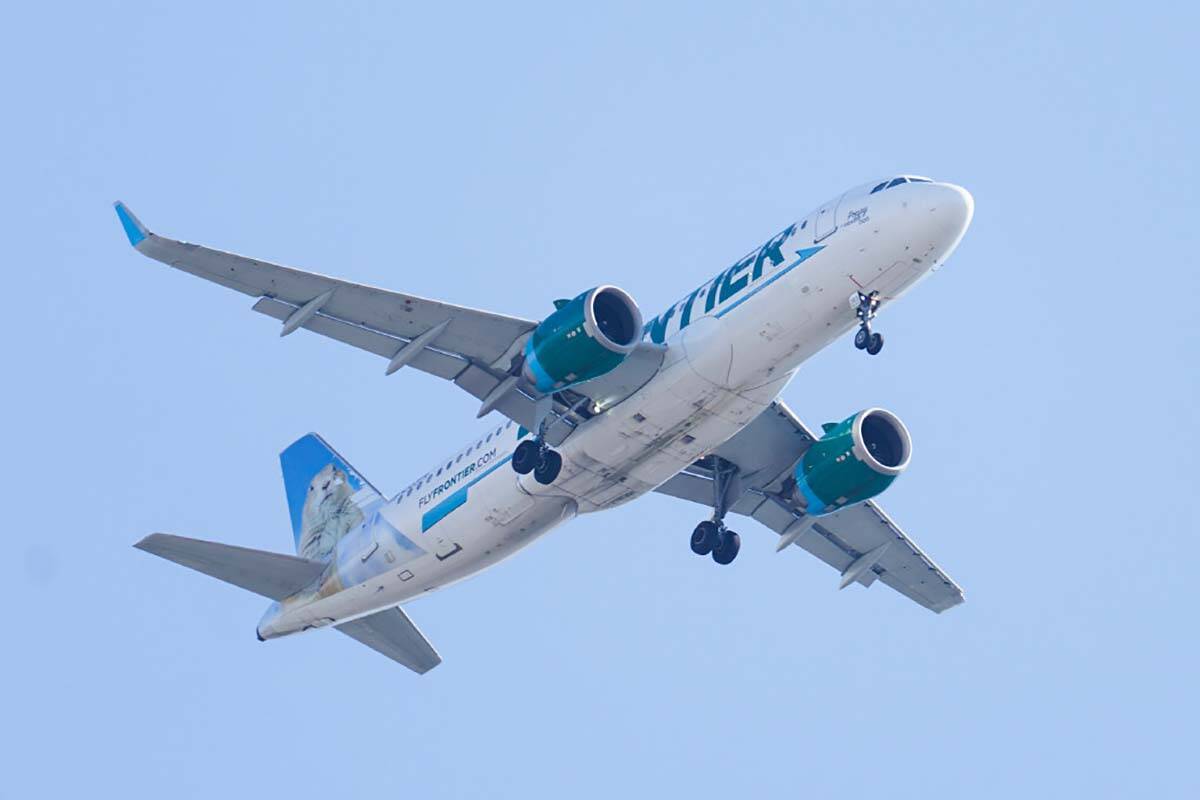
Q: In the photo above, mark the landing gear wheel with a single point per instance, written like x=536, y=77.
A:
x=862, y=338
x=876, y=343
x=727, y=550
x=526, y=457
x=706, y=536
x=548, y=467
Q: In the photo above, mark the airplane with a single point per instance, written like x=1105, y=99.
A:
x=596, y=407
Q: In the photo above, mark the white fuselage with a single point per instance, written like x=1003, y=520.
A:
x=721, y=369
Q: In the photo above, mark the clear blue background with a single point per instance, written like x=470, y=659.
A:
x=500, y=156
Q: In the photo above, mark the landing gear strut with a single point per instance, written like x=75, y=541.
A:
x=711, y=536
x=864, y=339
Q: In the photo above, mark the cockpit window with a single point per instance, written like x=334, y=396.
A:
x=899, y=180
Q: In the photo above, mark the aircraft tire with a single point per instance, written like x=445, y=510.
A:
x=705, y=537
x=876, y=343
x=525, y=457
x=727, y=550
x=862, y=339
x=548, y=468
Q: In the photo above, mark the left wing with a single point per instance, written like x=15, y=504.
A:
x=477, y=350
x=861, y=541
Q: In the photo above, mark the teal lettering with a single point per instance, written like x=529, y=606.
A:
x=685, y=316
x=729, y=286
x=658, y=326
x=712, y=293
x=772, y=251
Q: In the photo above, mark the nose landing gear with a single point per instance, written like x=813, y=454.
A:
x=711, y=536
x=864, y=339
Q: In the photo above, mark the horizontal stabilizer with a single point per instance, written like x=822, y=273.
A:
x=273, y=575
x=394, y=635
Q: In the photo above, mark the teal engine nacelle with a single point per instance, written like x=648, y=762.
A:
x=854, y=461
x=583, y=339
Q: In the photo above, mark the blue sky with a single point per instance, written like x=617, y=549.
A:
x=501, y=156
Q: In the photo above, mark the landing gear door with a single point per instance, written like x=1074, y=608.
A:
x=825, y=220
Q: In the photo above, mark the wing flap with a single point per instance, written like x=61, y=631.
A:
x=273, y=575
x=393, y=634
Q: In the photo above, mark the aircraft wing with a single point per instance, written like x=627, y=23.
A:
x=862, y=542
x=474, y=349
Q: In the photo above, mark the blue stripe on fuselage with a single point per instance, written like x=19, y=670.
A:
x=439, y=512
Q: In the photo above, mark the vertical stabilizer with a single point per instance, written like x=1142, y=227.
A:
x=326, y=496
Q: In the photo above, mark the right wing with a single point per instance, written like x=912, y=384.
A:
x=477, y=350
x=394, y=635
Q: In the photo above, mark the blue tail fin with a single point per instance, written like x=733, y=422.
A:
x=326, y=496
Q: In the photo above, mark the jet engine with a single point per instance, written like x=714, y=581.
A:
x=855, y=460
x=583, y=339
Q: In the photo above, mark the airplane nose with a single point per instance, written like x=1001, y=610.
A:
x=954, y=207
x=947, y=210
x=964, y=204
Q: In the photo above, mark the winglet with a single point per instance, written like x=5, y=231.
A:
x=133, y=226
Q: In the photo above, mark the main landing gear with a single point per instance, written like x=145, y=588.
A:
x=711, y=536
x=864, y=339
x=534, y=455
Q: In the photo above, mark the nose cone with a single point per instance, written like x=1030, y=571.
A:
x=952, y=207
x=938, y=215
x=959, y=204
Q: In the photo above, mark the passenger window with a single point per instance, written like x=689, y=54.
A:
x=803, y=225
x=897, y=182
x=489, y=437
x=460, y=455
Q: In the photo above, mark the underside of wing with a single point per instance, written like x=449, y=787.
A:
x=860, y=541
x=479, y=351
